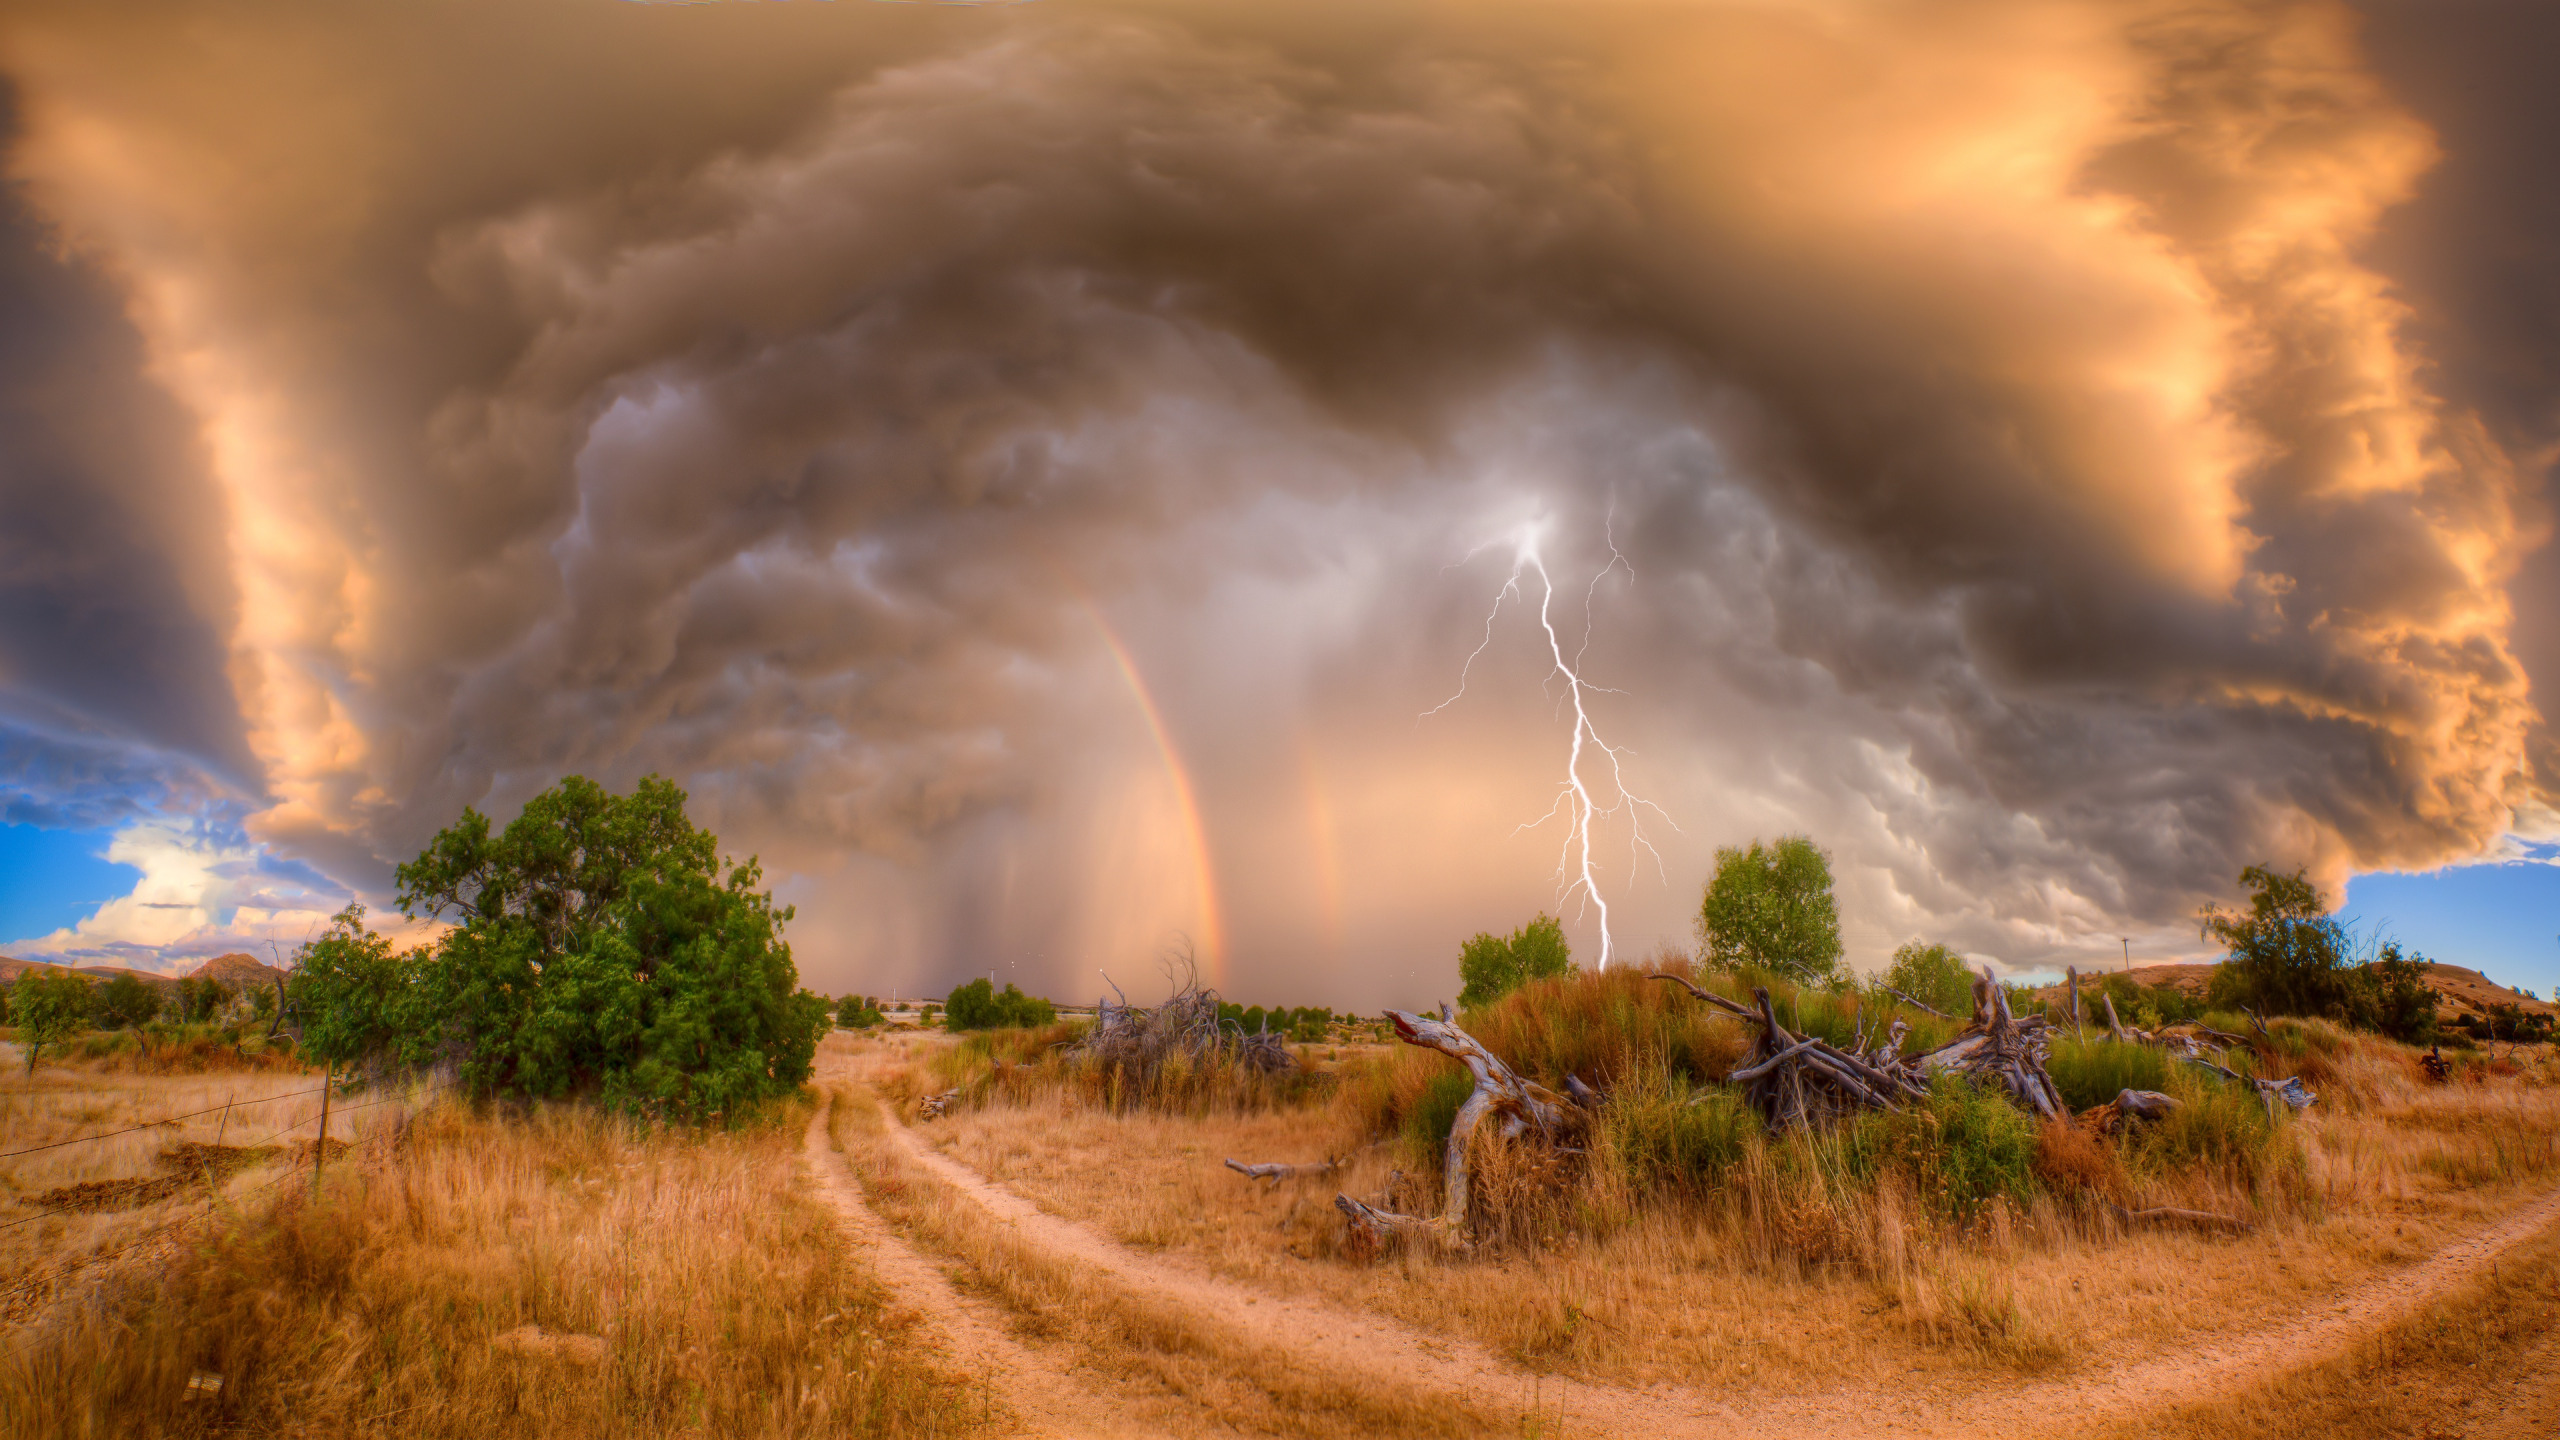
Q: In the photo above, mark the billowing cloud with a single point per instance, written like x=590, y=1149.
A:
x=1021, y=471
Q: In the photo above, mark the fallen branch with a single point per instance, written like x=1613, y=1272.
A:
x=1917, y=1005
x=1517, y=1106
x=1277, y=1171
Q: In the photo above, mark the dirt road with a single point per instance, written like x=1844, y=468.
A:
x=1346, y=1342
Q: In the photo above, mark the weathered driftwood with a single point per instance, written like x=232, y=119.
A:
x=2002, y=1050
x=1140, y=1041
x=2290, y=1089
x=1803, y=1082
x=1517, y=1107
x=2072, y=974
x=1276, y=1171
x=1914, y=1004
x=2128, y=1105
x=2439, y=1069
x=937, y=1106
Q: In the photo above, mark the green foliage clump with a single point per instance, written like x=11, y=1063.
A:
x=2092, y=1071
x=1491, y=966
x=2288, y=956
x=126, y=1002
x=199, y=999
x=1962, y=1146
x=598, y=948
x=858, y=1012
x=51, y=1004
x=1770, y=907
x=1670, y=1135
x=1933, y=975
x=1306, y=1024
x=977, y=1005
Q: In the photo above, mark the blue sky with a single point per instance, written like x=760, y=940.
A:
x=50, y=879
x=2502, y=920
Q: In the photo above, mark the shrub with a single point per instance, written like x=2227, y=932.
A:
x=976, y=1005
x=1770, y=908
x=1963, y=1146
x=126, y=1001
x=1667, y=1135
x=599, y=947
x=1492, y=966
x=1933, y=975
x=2070, y=1161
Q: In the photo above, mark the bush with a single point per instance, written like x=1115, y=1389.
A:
x=1770, y=908
x=1667, y=1135
x=200, y=999
x=598, y=948
x=1933, y=975
x=858, y=1012
x=1492, y=966
x=126, y=1002
x=977, y=1006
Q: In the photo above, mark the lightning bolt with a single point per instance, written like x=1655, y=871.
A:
x=1575, y=869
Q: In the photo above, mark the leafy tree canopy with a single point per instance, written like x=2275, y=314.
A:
x=1491, y=966
x=126, y=1000
x=599, y=946
x=1770, y=906
x=2289, y=956
x=50, y=1004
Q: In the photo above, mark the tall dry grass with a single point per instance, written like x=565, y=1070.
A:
x=560, y=1273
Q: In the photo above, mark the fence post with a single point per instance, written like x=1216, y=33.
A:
x=320, y=1152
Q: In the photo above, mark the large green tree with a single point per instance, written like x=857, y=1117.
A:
x=359, y=1001
x=600, y=944
x=1491, y=966
x=126, y=1000
x=50, y=1004
x=1770, y=906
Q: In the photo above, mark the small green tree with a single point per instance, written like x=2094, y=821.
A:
x=199, y=999
x=1491, y=966
x=52, y=1005
x=1933, y=975
x=1770, y=906
x=2390, y=993
x=126, y=1000
x=2288, y=955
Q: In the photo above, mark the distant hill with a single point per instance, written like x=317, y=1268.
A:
x=234, y=970
x=2458, y=990
x=238, y=971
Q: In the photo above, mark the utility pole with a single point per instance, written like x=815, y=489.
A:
x=320, y=1152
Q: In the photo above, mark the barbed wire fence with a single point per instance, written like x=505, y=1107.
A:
x=234, y=1200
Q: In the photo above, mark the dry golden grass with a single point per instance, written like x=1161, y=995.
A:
x=1186, y=1367
x=1784, y=1277
x=673, y=1283
x=2482, y=1363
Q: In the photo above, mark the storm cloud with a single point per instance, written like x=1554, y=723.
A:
x=1030, y=473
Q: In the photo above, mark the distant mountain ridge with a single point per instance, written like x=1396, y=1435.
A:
x=234, y=970
x=2458, y=990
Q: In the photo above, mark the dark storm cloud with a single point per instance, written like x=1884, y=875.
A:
x=2026, y=478
x=113, y=700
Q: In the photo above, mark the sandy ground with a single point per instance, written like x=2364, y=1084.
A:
x=1331, y=1339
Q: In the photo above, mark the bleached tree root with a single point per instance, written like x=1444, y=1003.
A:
x=1517, y=1107
x=1277, y=1171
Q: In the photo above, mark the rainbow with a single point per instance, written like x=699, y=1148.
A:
x=1210, y=943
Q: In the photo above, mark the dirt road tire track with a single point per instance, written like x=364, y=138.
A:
x=1045, y=1397
x=1357, y=1341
